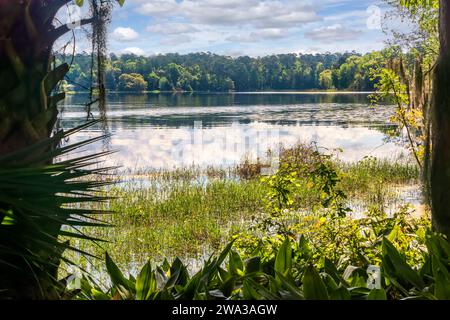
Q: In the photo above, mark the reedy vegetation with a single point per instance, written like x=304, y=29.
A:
x=320, y=253
x=173, y=215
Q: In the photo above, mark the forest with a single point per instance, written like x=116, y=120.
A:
x=212, y=72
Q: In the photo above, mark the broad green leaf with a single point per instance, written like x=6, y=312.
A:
x=397, y=266
x=117, y=278
x=313, y=286
x=289, y=285
x=258, y=291
x=253, y=265
x=228, y=286
x=283, y=260
x=145, y=283
x=98, y=295
x=340, y=293
x=441, y=279
x=179, y=268
x=332, y=271
x=377, y=294
x=235, y=265
x=249, y=293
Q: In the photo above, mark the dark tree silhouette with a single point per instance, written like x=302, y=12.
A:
x=440, y=168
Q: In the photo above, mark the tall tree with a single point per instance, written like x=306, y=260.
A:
x=440, y=164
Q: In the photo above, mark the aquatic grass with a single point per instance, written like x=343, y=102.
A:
x=378, y=183
x=191, y=211
x=359, y=174
x=178, y=218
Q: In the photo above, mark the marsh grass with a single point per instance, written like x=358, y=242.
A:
x=170, y=215
x=379, y=183
x=189, y=212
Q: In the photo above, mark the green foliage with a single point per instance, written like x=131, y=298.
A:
x=328, y=261
x=132, y=82
x=355, y=72
x=389, y=86
x=40, y=213
x=291, y=275
x=302, y=168
x=189, y=210
x=406, y=78
x=392, y=88
x=210, y=72
x=308, y=196
x=176, y=216
x=344, y=240
x=326, y=79
x=153, y=81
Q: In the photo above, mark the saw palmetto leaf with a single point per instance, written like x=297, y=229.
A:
x=44, y=203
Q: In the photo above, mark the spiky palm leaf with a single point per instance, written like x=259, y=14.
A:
x=40, y=204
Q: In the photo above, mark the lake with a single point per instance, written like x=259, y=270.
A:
x=163, y=131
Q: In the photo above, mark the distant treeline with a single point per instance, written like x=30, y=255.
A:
x=211, y=72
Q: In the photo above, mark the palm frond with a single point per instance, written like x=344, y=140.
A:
x=43, y=203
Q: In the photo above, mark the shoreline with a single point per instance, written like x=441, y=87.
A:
x=269, y=92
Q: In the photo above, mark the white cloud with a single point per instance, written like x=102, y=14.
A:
x=158, y=7
x=201, y=23
x=256, y=13
x=172, y=28
x=124, y=34
x=260, y=35
x=333, y=33
x=134, y=50
x=250, y=27
x=175, y=40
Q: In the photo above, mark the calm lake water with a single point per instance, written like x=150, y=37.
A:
x=154, y=131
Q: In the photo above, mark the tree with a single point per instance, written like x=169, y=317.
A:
x=423, y=12
x=440, y=163
x=174, y=72
x=325, y=79
x=153, y=81
x=28, y=112
x=132, y=82
x=164, y=84
x=404, y=72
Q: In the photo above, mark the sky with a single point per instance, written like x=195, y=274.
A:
x=245, y=27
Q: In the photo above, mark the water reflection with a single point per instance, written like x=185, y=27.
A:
x=136, y=100
x=169, y=130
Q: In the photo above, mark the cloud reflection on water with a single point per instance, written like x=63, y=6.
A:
x=228, y=145
x=153, y=133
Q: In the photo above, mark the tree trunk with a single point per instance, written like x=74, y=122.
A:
x=27, y=107
x=440, y=170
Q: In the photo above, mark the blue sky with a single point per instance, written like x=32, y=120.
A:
x=246, y=27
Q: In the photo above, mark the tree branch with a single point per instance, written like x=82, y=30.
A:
x=60, y=31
